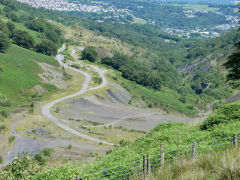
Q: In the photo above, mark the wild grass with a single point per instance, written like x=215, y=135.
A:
x=20, y=74
x=220, y=165
x=173, y=136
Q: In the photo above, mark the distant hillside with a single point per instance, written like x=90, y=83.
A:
x=201, y=1
x=27, y=39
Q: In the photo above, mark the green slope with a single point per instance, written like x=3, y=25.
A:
x=20, y=73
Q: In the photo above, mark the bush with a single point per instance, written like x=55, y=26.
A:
x=5, y=103
x=90, y=54
x=227, y=113
x=19, y=167
x=13, y=16
x=1, y=159
x=47, y=47
x=23, y=39
x=97, y=80
x=39, y=158
x=4, y=42
x=4, y=114
x=47, y=152
x=3, y=128
x=69, y=146
x=11, y=139
x=10, y=26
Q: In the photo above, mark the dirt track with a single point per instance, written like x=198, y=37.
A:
x=46, y=110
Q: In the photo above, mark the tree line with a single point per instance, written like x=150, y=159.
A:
x=50, y=34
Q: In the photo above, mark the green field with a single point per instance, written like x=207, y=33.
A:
x=20, y=73
x=196, y=7
x=139, y=20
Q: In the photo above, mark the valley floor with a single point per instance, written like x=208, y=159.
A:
x=90, y=120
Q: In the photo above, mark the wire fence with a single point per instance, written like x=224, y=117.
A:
x=141, y=168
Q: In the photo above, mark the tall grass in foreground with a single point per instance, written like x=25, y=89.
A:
x=221, y=165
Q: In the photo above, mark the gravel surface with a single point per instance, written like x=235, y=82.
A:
x=85, y=87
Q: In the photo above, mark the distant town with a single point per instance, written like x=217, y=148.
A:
x=113, y=12
x=64, y=5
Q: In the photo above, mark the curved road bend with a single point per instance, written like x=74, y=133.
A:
x=46, y=109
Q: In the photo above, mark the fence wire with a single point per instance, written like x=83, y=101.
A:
x=136, y=168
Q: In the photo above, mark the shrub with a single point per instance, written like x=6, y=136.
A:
x=3, y=128
x=5, y=103
x=1, y=159
x=39, y=158
x=11, y=139
x=97, y=80
x=47, y=152
x=4, y=42
x=47, y=47
x=90, y=54
x=23, y=39
x=229, y=112
x=4, y=114
x=149, y=105
x=18, y=168
x=69, y=146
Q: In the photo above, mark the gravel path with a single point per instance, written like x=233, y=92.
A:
x=85, y=87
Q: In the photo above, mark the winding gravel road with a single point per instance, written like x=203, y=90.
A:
x=46, y=110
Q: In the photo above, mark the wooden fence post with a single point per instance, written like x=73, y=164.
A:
x=144, y=168
x=162, y=156
x=235, y=140
x=148, y=166
x=194, y=150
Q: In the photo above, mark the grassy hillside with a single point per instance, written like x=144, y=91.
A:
x=217, y=165
x=165, y=99
x=19, y=68
x=172, y=135
x=20, y=74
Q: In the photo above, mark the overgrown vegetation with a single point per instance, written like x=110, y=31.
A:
x=233, y=64
x=172, y=135
x=19, y=75
x=90, y=54
x=220, y=165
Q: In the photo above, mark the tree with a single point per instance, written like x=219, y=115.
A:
x=23, y=39
x=3, y=27
x=10, y=26
x=36, y=25
x=233, y=64
x=4, y=42
x=47, y=47
x=12, y=16
x=90, y=54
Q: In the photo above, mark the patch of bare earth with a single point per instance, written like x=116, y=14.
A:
x=53, y=76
